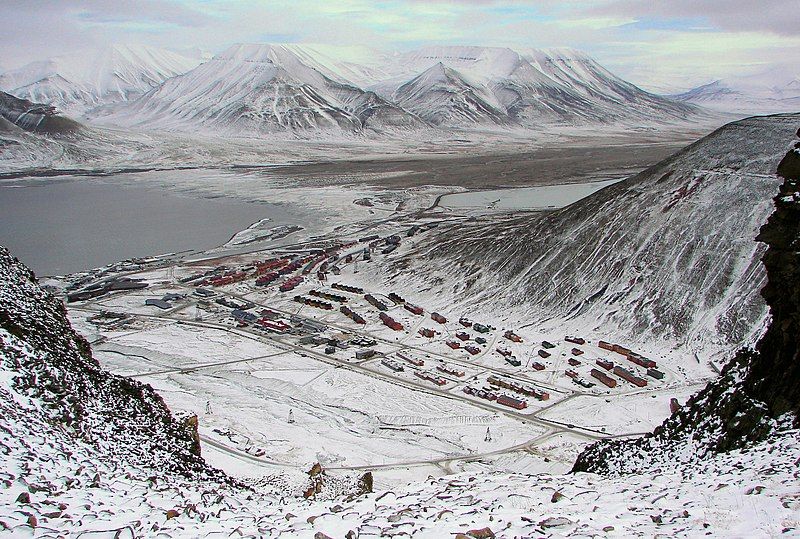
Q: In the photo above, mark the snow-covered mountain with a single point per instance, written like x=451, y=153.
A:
x=773, y=91
x=263, y=88
x=442, y=96
x=667, y=256
x=528, y=87
x=77, y=82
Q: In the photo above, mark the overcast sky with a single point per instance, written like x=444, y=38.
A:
x=659, y=44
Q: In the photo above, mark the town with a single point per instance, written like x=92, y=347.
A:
x=314, y=302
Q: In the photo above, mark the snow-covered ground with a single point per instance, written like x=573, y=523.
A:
x=283, y=399
x=751, y=493
x=525, y=198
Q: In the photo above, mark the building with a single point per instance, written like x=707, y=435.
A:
x=436, y=317
x=365, y=353
x=244, y=316
x=511, y=402
x=160, y=303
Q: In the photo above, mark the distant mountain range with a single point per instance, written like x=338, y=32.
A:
x=264, y=88
x=769, y=92
x=261, y=88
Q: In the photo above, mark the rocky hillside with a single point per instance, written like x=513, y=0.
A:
x=759, y=390
x=48, y=369
x=33, y=117
x=666, y=256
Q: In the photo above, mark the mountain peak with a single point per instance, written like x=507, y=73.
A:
x=78, y=81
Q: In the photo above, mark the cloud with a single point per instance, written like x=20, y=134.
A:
x=773, y=16
x=656, y=43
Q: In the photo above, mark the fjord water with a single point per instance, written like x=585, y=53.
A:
x=68, y=224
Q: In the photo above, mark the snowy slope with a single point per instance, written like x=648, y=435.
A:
x=270, y=87
x=442, y=96
x=769, y=92
x=668, y=256
x=80, y=81
x=528, y=87
x=262, y=88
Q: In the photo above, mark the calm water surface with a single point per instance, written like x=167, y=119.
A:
x=71, y=224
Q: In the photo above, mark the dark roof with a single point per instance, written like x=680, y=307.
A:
x=160, y=303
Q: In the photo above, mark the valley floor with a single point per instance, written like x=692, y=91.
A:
x=359, y=414
x=422, y=412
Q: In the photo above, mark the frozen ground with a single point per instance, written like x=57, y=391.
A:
x=341, y=418
x=524, y=198
x=349, y=413
x=749, y=493
x=274, y=402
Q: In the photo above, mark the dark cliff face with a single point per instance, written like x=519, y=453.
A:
x=776, y=377
x=52, y=365
x=759, y=390
x=34, y=117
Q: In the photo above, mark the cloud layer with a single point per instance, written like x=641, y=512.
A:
x=662, y=45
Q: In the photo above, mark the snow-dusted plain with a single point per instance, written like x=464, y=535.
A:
x=45, y=493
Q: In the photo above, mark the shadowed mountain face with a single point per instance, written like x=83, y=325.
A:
x=34, y=117
x=758, y=392
x=666, y=254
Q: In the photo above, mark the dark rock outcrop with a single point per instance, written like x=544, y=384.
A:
x=758, y=392
x=52, y=366
x=34, y=117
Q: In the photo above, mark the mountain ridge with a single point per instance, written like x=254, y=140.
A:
x=475, y=86
x=80, y=81
x=625, y=263
x=757, y=395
